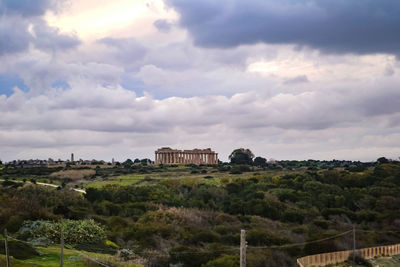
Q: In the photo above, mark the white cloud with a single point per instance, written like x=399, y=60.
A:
x=106, y=119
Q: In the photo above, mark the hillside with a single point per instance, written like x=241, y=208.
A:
x=192, y=215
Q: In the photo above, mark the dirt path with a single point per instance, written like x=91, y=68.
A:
x=51, y=185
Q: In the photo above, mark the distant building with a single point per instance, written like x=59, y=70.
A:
x=167, y=155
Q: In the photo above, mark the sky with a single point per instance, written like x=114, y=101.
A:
x=288, y=79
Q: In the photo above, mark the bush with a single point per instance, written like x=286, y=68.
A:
x=224, y=261
x=359, y=260
x=75, y=232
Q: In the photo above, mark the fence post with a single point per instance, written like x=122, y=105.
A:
x=243, y=248
x=6, y=248
x=62, y=249
x=354, y=244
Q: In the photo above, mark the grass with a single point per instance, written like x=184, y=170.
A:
x=386, y=261
x=148, y=179
x=120, y=180
x=50, y=257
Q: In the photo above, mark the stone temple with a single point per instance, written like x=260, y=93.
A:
x=166, y=155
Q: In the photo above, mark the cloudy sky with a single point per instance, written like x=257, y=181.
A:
x=289, y=79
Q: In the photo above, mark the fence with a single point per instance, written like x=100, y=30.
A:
x=341, y=256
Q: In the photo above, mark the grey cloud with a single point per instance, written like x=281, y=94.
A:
x=389, y=70
x=97, y=108
x=343, y=26
x=28, y=7
x=14, y=36
x=296, y=80
x=124, y=50
x=163, y=25
x=50, y=38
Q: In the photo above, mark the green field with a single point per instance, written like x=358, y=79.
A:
x=148, y=179
x=182, y=173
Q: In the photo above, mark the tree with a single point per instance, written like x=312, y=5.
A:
x=382, y=160
x=241, y=156
x=127, y=163
x=260, y=161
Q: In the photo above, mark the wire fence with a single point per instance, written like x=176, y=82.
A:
x=215, y=251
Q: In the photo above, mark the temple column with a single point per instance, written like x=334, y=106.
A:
x=155, y=158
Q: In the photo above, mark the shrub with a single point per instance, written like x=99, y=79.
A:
x=75, y=232
x=359, y=260
x=224, y=261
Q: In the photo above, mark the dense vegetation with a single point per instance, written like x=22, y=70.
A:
x=195, y=219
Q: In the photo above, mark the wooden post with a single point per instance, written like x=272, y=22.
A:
x=6, y=248
x=354, y=244
x=243, y=248
x=62, y=250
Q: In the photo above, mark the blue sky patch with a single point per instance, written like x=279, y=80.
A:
x=61, y=84
x=8, y=82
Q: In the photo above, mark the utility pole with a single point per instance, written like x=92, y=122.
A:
x=6, y=247
x=62, y=249
x=354, y=243
x=243, y=245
